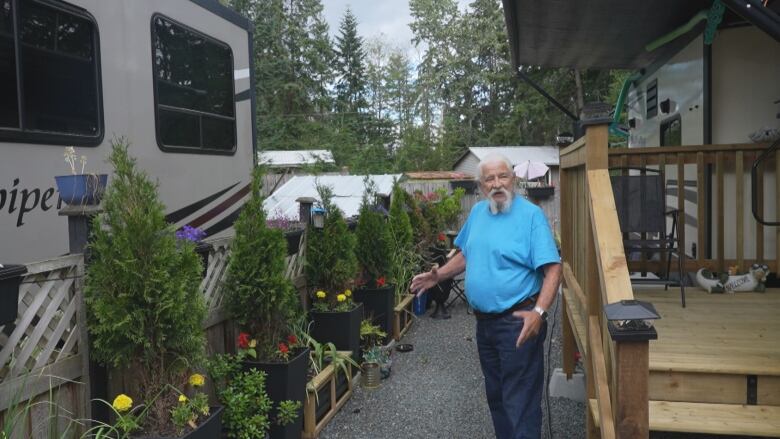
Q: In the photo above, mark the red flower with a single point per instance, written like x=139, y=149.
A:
x=283, y=348
x=380, y=282
x=441, y=237
x=243, y=340
x=292, y=339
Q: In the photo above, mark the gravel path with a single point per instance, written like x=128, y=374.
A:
x=437, y=391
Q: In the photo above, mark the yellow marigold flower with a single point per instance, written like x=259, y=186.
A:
x=122, y=403
x=253, y=343
x=182, y=398
x=197, y=380
x=341, y=297
x=321, y=294
x=348, y=293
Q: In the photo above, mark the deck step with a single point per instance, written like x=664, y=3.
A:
x=692, y=417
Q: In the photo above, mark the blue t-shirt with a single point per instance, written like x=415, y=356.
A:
x=504, y=254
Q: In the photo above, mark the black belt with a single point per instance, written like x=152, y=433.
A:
x=519, y=305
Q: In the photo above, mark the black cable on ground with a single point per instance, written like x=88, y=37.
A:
x=553, y=313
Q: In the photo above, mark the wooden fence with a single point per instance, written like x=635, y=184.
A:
x=44, y=357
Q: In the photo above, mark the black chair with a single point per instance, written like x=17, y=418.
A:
x=640, y=198
x=441, y=292
x=458, y=287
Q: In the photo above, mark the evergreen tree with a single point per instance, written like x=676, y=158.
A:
x=351, y=82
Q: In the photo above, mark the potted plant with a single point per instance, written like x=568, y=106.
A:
x=80, y=188
x=10, y=278
x=263, y=302
x=540, y=192
x=374, y=254
x=248, y=408
x=293, y=230
x=331, y=267
x=144, y=307
x=375, y=365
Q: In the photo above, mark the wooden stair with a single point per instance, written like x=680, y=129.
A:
x=692, y=417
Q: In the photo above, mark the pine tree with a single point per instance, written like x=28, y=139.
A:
x=351, y=83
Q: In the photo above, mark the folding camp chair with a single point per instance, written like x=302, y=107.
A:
x=458, y=286
x=640, y=198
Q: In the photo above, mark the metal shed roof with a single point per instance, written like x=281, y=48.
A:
x=549, y=155
x=290, y=159
x=347, y=191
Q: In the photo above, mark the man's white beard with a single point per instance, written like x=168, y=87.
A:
x=497, y=207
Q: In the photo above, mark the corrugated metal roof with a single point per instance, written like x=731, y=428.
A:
x=439, y=175
x=549, y=155
x=288, y=159
x=347, y=191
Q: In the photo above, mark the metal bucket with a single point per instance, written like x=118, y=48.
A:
x=371, y=375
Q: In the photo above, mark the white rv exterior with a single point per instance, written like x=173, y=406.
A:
x=173, y=77
x=744, y=87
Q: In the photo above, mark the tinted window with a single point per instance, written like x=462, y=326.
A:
x=56, y=71
x=194, y=85
x=9, y=104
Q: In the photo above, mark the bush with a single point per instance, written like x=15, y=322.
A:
x=374, y=242
x=404, y=260
x=330, y=254
x=257, y=294
x=145, y=308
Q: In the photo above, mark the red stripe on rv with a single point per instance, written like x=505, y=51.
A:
x=197, y=222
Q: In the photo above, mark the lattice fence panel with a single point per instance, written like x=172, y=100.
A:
x=46, y=328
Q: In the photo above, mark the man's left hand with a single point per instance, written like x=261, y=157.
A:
x=532, y=323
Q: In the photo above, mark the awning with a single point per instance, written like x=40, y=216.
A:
x=610, y=34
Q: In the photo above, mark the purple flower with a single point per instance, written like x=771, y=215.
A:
x=190, y=233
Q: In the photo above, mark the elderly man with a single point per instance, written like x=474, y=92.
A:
x=512, y=274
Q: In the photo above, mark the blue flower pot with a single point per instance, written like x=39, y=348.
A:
x=419, y=304
x=81, y=189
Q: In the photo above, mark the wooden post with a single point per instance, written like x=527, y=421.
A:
x=632, y=418
x=304, y=212
x=596, y=157
x=95, y=376
x=567, y=242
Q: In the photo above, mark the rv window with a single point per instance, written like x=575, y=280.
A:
x=651, y=99
x=194, y=90
x=55, y=74
x=671, y=132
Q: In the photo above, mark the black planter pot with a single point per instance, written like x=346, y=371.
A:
x=210, y=428
x=340, y=328
x=203, y=249
x=293, y=240
x=540, y=192
x=285, y=381
x=379, y=306
x=10, y=278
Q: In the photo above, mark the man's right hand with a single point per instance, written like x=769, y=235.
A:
x=425, y=281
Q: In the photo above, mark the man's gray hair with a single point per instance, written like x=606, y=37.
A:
x=493, y=157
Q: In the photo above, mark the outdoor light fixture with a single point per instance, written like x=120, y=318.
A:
x=318, y=217
x=564, y=139
x=631, y=320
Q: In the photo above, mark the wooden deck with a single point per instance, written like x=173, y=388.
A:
x=715, y=367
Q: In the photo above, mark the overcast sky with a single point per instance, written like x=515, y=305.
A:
x=375, y=17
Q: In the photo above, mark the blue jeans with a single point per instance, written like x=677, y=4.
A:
x=514, y=377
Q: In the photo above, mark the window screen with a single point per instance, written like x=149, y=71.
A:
x=51, y=88
x=194, y=90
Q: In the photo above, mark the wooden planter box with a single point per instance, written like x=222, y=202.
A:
x=403, y=316
x=324, y=391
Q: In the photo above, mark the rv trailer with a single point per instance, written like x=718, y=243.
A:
x=172, y=77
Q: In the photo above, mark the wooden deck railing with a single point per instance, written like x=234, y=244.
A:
x=715, y=202
x=596, y=274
